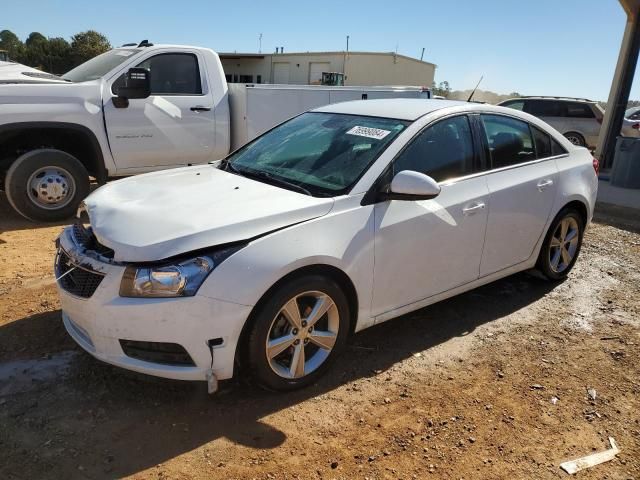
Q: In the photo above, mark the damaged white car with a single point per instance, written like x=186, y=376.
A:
x=338, y=219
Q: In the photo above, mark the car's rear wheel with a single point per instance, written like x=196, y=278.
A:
x=562, y=245
x=576, y=139
x=298, y=332
x=46, y=185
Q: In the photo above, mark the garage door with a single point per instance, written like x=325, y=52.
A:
x=315, y=72
x=281, y=72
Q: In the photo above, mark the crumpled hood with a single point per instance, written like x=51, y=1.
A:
x=162, y=214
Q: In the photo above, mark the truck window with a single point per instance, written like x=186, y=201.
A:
x=171, y=74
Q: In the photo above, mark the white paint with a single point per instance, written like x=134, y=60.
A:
x=399, y=255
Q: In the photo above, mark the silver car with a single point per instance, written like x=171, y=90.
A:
x=578, y=119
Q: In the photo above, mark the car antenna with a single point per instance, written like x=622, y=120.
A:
x=474, y=90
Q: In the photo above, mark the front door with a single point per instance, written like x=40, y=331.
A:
x=426, y=247
x=522, y=187
x=174, y=126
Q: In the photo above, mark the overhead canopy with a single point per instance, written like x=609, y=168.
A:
x=621, y=84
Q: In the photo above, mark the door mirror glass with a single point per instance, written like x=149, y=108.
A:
x=137, y=84
x=410, y=185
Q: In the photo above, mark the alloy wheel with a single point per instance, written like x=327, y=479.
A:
x=302, y=334
x=564, y=244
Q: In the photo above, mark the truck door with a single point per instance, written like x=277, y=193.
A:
x=174, y=126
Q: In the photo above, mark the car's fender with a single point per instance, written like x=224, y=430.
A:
x=56, y=104
x=342, y=239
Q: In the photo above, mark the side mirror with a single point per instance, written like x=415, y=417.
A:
x=410, y=185
x=137, y=84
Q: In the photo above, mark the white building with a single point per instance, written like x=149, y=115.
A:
x=359, y=68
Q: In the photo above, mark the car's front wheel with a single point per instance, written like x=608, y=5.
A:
x=562, y=244
x=298, y=332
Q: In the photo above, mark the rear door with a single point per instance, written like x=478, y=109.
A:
x=522, y=182
x=174, y=126
x=582, y=118
x=551, y=111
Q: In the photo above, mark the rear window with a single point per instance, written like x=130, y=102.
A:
x=579, y=110
x=542, y=141
x=556, y=148
x=509, y=140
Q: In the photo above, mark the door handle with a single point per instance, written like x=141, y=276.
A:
x=543, y=184
x=470, y=210
x=200, y=108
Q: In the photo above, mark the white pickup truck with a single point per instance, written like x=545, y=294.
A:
x=137, y=109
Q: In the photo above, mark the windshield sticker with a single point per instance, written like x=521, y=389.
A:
x=369, y=132
x=124, y=53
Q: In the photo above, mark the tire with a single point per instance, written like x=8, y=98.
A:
x=575, y=138
x=276, y=371
x=46, y=185
x=552, y=262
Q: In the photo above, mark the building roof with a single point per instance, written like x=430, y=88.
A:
x=400, y=108
x=230, y=55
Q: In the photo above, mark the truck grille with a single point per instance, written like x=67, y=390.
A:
x=76, y=280
x=85, y=237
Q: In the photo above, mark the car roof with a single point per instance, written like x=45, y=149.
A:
x=399, y=108
x=545, y=97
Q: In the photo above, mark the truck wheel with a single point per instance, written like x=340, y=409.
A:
x=46, y=185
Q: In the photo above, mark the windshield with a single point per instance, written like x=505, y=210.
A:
x=323, y=154
x=100, y=65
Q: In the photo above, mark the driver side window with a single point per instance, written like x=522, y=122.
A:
x=443, y=151
x=171, y=74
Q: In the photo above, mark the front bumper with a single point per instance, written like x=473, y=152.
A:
x=99, y=322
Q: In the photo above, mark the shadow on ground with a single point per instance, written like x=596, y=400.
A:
x=148, y=421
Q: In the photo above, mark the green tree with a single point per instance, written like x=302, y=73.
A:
x=442, y=89
x=10, y=42
x=35, y=38
x=86, y=45
x=59, y=56
x=35, y=51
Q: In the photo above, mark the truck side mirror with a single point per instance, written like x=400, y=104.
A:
x=137, y=85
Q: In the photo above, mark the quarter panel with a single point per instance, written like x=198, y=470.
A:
x=577, y=181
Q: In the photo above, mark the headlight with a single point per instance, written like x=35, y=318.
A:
x=179, y=279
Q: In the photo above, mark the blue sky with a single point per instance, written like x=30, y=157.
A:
x=546, y=47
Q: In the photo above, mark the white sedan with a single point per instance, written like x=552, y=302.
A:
x=338, y=219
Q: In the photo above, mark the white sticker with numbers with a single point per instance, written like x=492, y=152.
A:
x=369, y=132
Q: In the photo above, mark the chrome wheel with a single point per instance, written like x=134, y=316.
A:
x=564, y=244
x=51, y=187
x=302, y=334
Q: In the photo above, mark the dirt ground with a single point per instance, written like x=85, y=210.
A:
x=490, y=384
